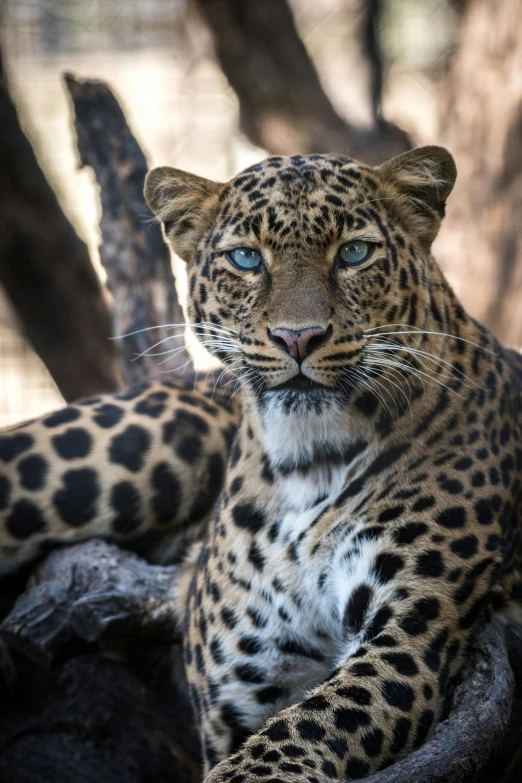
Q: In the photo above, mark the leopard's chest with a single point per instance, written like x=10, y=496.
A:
x=286, y=638
x=280, y=628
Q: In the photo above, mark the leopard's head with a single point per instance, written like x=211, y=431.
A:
x=293, y=262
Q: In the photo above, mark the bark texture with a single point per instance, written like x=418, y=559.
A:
x=282, y=104
x=46, y=270
x=132, y=250
x=89, y=592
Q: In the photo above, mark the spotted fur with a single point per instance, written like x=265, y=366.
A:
x=371, y=500
x=148, y=460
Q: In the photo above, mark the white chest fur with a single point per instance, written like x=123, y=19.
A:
x=292, y=612
x=291, y=438
x=299, y=495
x=294, y=607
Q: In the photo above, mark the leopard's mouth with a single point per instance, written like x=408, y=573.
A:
x=299, y=382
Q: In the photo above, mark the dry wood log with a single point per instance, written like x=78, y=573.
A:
x=132, y=250
x=90, y=591
x=282, y=104
x=506, y=764
x=110, y=709
x=481, y=708
x=96, y=593
x=46, y=270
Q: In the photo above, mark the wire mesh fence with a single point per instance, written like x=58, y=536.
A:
x=26, y=389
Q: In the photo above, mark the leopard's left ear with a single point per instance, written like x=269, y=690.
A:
x=184, y=203
x=421, y=180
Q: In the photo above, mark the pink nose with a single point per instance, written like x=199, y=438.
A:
x=299, y=343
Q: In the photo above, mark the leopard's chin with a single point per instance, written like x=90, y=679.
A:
x=301, y=394
x=300, y=383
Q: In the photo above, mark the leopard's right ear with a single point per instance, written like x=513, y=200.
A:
x=417, y=184
x=184, y=203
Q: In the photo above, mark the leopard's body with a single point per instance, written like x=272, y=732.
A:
x=371, y=501
x=146, y=460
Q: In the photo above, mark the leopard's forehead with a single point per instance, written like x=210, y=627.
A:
x=300, y=176
x=300, y=199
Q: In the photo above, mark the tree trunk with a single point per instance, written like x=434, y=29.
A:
x=46, y=270
x=480, y=246
x=282, y=105
x=133, y=251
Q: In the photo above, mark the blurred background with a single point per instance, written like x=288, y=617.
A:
x=214, y=85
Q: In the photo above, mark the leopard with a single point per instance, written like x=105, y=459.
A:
x=142, y=466
x=360, y=474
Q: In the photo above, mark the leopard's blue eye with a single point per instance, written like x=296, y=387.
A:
x=356, y=252
x=245, y=258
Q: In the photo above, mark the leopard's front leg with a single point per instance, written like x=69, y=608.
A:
x=331, y=660
x=379, y=704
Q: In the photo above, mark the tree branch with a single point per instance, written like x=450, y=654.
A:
x=133, y=252
x=282, y=104
x=481, y=707
x=90, y=591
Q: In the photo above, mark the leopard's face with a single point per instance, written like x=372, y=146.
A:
x=295, y=262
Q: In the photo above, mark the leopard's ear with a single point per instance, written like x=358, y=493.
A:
x=184, y=203
x=420, y=181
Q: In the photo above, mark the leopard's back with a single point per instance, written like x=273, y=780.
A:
x=146, y=461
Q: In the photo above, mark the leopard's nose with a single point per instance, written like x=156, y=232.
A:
x=299, y=343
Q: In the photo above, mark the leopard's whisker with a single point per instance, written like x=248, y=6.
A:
x=413, y=330
x=174, y=352
x=219, y=345
x=397, y=385
x=176, y=369
x=397, y=347
x=202, y=325
x=404, y=372
x=363, y=378
x=416, y=372
x=229, y=368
